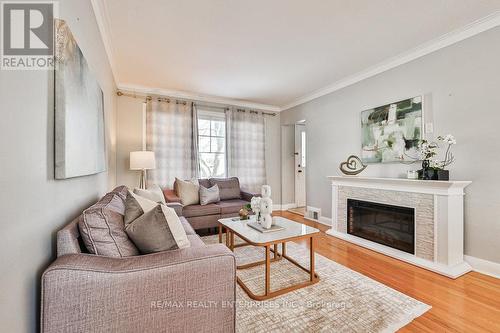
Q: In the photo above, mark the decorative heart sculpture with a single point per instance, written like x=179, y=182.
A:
x=352, y=166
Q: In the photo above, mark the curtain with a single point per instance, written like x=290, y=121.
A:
x=169, y=133
x=246, y=148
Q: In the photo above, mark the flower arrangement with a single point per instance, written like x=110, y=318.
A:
x=432, y=167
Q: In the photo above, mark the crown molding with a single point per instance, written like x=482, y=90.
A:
x=142, y=90
x=470, y=30
x=102, y=18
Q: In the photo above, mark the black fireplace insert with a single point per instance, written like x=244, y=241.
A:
x=389, y=225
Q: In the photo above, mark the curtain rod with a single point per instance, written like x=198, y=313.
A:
x=184, y=102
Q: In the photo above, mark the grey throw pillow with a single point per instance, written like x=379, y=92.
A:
x=209, y=195
x=153, y=227
x=102, y=228
x=150, y=232
x=135, y=206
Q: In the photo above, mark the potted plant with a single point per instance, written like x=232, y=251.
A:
x=427, y=151
x=433, y=169
x=442, y=173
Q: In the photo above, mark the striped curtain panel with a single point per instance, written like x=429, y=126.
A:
x=169, y=133
x=246, y=148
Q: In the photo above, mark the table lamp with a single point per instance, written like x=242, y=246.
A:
x=142, y=160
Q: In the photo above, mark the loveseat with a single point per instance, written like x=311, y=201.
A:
x=183, y=290
x=232, y=199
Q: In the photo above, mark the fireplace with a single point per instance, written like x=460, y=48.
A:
x=388, y=225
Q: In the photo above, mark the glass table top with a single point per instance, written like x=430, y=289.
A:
x=290, y=229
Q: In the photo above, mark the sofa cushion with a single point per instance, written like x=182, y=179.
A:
x=204, y=182
x=102, y=228
x=187, y=227
x=231, y=206
x=229, y=188
x=199, y=210
x=209, y=195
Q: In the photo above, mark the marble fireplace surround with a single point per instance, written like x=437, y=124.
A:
x=439, y=222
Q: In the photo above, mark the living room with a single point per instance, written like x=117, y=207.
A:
x=233, y=166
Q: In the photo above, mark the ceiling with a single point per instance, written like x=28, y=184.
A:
x=277, y=53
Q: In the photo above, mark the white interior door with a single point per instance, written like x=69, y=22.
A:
x=300, y=165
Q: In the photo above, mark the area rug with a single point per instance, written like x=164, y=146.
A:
x=342, y=301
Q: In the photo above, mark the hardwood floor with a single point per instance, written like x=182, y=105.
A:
x=470, y=303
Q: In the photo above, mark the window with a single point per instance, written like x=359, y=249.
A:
x=212, y=143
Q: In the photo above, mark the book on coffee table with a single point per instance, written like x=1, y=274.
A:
x=258, y=227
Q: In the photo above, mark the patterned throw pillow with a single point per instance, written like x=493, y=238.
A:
x=209, y=195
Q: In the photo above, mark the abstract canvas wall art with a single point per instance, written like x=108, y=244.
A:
x=390, y=133
x=79, y=111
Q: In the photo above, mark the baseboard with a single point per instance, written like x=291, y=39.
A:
x=484, y=266
x=284, y=206
x=449, y=271
x=325, y=220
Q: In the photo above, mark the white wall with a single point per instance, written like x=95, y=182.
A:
x=129, y=138
x=461, y=85
x=34, y=205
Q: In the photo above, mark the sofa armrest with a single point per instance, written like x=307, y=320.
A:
x=171, y=196
x=247, y=196
x=190, y=289
x=176, y=206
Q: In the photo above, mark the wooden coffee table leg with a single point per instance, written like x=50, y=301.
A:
x=220, y=233
x=275, y=248
x=231, y=242
x=283, y=249
x=268, y=270
x=311, y=249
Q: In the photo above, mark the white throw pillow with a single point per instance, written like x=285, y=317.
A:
x=209, y=195
x=175, y=225
x=153, y=193
x=188, y=191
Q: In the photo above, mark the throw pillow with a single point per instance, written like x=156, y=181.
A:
x=153, y=193
x=209, y=195
x=229, y=188
x=159, y=229
x=102, y=228
x=135, y=206
x=188, y=191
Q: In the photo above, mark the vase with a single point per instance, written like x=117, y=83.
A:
x=427, y=173
x=443, y=174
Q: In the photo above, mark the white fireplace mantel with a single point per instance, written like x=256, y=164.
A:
x=442, y=223
x=401, y=184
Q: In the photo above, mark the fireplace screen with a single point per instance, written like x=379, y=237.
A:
x=393, y=226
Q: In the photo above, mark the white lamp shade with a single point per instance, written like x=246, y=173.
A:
x=142, y=160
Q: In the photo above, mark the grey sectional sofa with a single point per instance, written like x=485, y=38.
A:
x=207, y=216
x=186, y=290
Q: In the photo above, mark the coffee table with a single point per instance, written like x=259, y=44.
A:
x=292, y=231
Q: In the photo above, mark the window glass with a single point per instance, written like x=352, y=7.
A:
x=212, y=144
